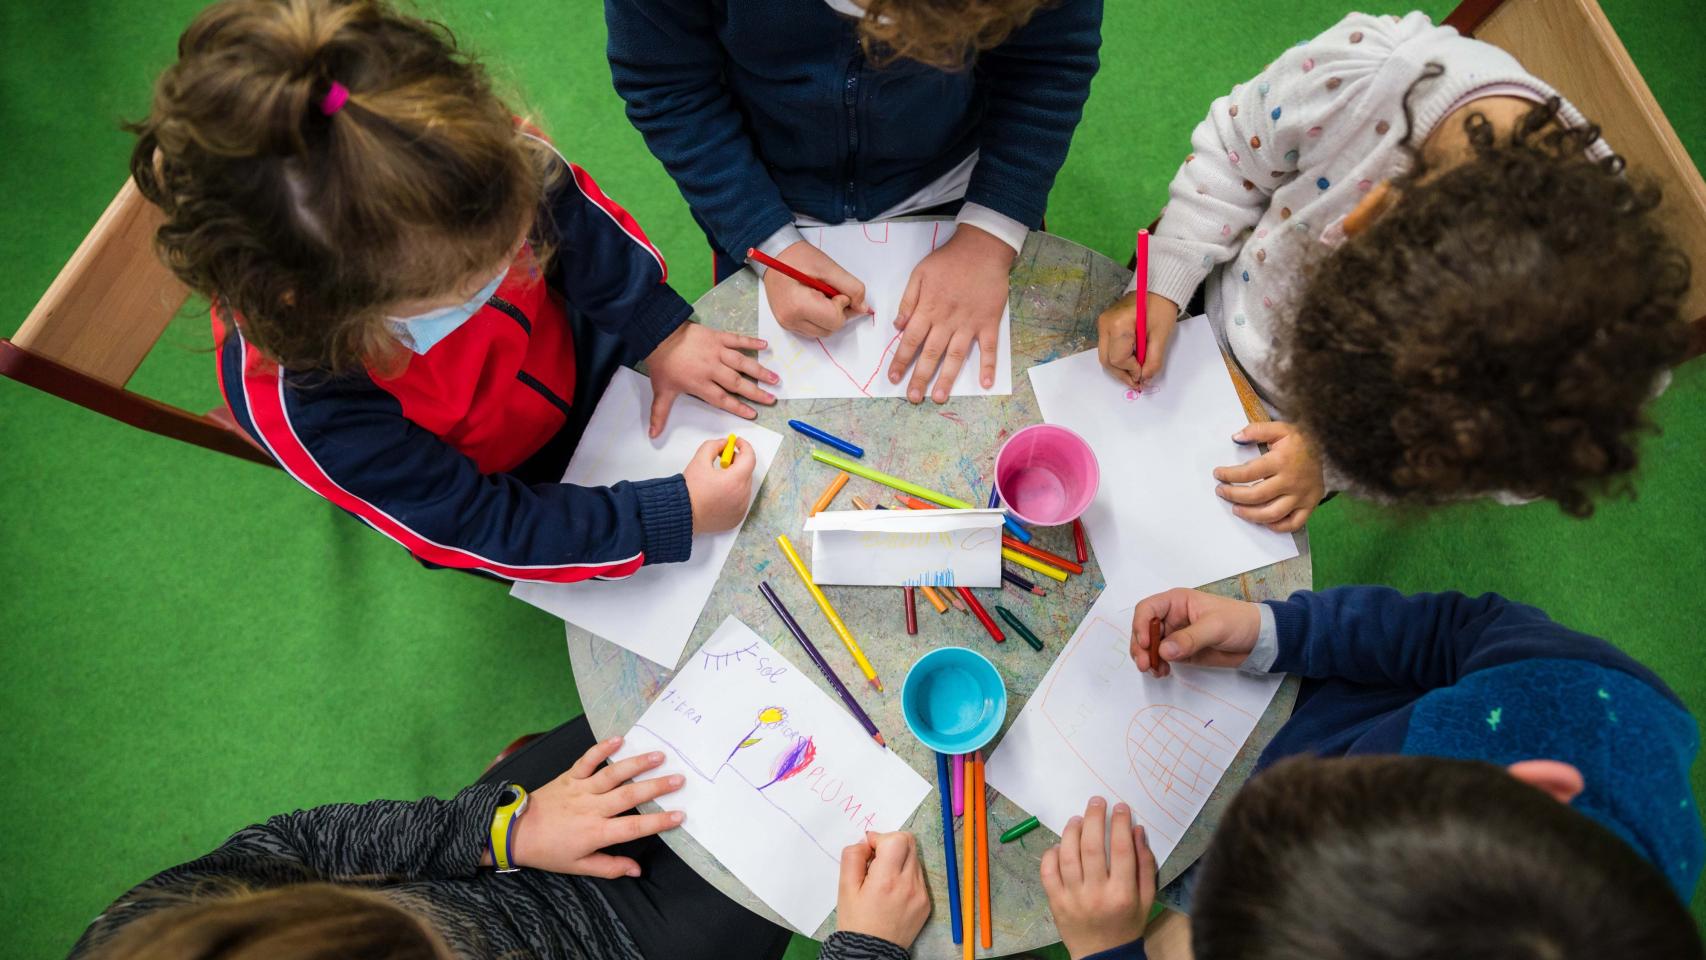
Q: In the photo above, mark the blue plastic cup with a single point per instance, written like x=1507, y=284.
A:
x=954, y=700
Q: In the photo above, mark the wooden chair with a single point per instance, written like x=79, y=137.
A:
x=1571, y=45
x=100, y=317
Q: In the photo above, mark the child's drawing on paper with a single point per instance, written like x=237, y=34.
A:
x=1096, y=726
x=779, y=778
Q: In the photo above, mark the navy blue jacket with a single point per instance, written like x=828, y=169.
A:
x=762, y=107
x=458, y=457
x=1482, y=678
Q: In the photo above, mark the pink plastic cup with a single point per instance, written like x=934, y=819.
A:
x=1046, y=475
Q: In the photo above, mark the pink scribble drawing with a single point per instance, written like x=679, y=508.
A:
x=793, y=760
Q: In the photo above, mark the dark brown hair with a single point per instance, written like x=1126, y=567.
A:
x=1500, y=328
x=1423, y=858
x=940, y=33
x=307, y=921
x=307, y=225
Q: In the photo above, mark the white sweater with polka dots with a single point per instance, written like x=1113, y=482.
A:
x=1280, y=161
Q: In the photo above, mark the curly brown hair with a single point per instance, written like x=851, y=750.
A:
x=940, y=33
x=306, y=225
x=1500, y=328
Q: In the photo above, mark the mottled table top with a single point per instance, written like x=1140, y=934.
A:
x=1058, y=288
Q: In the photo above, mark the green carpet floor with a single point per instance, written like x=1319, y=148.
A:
x=189, y=643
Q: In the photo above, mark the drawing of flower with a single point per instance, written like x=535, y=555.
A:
x=793, y=760
x=768, y=717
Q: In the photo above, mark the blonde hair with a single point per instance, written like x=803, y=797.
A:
x=308, y=921
x=305, y=220
x=940, y=33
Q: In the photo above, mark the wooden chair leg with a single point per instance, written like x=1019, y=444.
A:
x=125, y=406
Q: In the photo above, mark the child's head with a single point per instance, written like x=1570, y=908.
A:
x=1499, y=327
x=308, y=921
x=1413, y=858
x=941, y=33
x=314, y=213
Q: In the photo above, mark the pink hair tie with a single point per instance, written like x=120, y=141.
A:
x=335, y=99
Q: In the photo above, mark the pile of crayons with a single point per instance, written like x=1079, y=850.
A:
x=963, y=794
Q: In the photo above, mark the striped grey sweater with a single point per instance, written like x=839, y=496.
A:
x=426, y=855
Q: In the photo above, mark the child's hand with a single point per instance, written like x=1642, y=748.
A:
x=1100, y=900
x=1195, y=627
x=1116, y=338
x=805, y=311
x=954, y=297
x=719, y=496
x=569, y=820
x=707, y=364
x=1288, y=483
x=882, y=889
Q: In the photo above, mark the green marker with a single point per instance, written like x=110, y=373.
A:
x=1019, y=829
x=888, y=480
x=1018, y=627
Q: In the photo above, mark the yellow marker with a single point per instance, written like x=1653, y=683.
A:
x=729, y=452
x=1031, y=563
x=830, y=614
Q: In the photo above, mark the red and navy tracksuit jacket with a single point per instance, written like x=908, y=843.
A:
x=444, y=458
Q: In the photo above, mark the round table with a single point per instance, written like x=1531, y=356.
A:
x=1057, y=289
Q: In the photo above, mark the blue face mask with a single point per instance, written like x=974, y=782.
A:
x=420, y=332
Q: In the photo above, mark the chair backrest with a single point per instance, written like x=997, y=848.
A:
x=1571, y=45
x=111, y=300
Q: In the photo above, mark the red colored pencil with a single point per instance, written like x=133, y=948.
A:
x=787, y=271
x=1078, y=541
x=1142, y=294
x=911, y=603
x=1041, y=554
x=982, y=615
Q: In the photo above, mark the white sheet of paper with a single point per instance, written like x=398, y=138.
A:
x=652, y=612
x=1156, y=522
x=906, y=548
x=854, y=361
x=780, y=777
x=1096, y=726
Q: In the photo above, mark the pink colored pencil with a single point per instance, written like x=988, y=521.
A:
x=959, y=783
x=1142, y=295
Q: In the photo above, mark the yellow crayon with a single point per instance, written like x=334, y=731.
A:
x=729, y=452
x=1031, y=563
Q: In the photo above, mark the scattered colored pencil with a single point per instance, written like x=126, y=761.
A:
x=1019, y=829
x=994, y=497
x=830, y=614
x=889, y=480
x=959, y=783
x=1083, y=549
x=1019, y=627
x=861, y=503
x=935, y=599
x=835, y=486
x=831, y=439
x=1030, y=563
x=954, y=598
x=982, y=615
x=968, y=876
x=820, y=286
x=1052, y=559
x=1142, y=292
x=911, y=604
x=985, y=920
x=1015, y=580
x=729, y=452
x=945, y=792
x=822, y=664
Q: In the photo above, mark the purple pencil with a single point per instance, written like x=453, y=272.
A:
x=822, y=665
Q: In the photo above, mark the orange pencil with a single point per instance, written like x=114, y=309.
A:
x=1041, y=554
x=828, y=495
x=984, y=920
x=968, y=901
x=935, y=599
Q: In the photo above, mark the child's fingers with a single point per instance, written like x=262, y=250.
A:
x=855, y=861
x=633, y=827
x=908, y=301
x=731, y=380
x=604, y=866
x=1260, y=468
x=1093, y=839
x=745, y=461
x=610, y=777
x=1049, y=870
x=1159, y=335
x=1145, y=868
x=740, y=341
x=849, y=285
x=627, y=796
x=1269, y=512
x=929, y=358
x=959, y=349
x=1293, y=521
x=1252, y=495
x=1182, y=643
x=1266, y=432
x=1122, y=848
x=599, y=752
x=662, y=400
x=750, y=367
x=709, y=451
x=988, y=342
x=1071, y=866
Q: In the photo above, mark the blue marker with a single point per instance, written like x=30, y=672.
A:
x=1019, y=533
x=944, y=788
x=830, y=439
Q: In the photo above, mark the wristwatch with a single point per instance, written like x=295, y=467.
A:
x=512, y=803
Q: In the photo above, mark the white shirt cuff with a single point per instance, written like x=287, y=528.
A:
x=773, y=246
x=998, y=225
x=1262, y=656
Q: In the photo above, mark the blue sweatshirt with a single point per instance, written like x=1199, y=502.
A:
x=1482, y=678
x=759, y=108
